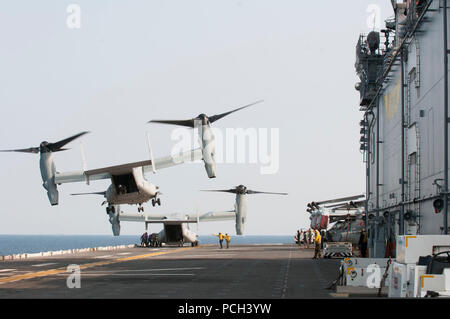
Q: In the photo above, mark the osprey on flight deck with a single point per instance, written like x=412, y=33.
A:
x=175, y=230
x=128, y=182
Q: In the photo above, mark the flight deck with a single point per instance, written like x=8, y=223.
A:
x=274, y=271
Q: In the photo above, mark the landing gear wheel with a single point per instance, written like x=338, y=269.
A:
x=158, y=201
x=153, y=202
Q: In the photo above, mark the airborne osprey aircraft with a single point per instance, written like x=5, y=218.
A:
x=128, y=182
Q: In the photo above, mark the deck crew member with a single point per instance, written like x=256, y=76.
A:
x=220, y=239
x=299, y=238
x=227, y=239
x=324, y=238
x=363, y=243
x=144, y=239
x=317, y=244
x=305, y=239
x=309, y=236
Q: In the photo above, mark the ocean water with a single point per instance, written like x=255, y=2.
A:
x=19, y=244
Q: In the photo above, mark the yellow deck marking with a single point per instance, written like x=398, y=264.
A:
x=408, y=237
x=57, y=271
x=425, y=276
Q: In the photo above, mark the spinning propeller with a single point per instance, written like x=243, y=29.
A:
x=201, y=118
x=241, y=189
x=46, y=147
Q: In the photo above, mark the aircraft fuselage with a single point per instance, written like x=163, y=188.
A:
x=130, y=188
x=176, y=234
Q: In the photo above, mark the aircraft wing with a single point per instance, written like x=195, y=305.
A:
x=210, y=216
x=177, y=159
x=218, y=216
x=136, y=217
x=171, y=221
x=153, y=219
x=148, y=165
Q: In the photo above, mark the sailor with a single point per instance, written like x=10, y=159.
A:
x=305, y=239
x=363, y=243
x=324, y=238
x=309, y=236
x=220, y=240
x=156, y=242
x=122, y=190
x=317, y=244
x=149, y=240
x=144, y=239
x=228, y=239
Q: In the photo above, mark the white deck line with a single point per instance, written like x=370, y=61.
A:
x=62, y=252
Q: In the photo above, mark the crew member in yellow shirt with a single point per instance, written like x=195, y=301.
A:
x=228, y=239
x=317, y=243
x=220, y=240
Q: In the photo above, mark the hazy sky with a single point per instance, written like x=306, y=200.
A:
x=133, y=61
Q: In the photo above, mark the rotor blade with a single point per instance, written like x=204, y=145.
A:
x=61, y=149
x=188, y=123
x=249, y=191
x=350, y=205
x=24, y=150
x=335, y=205
x=58, y=145
x=340, y=200
x=214, y=118
x=234, y=191
x=93, y=193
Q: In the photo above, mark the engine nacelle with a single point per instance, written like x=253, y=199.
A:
x=113, y=213
x=241, y=213
x=48, y=171
x=208, y=150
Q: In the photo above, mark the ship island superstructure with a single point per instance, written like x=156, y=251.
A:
x=403, y=71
